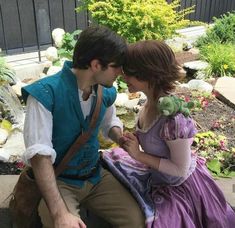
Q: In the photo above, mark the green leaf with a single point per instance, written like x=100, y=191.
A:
x=215, y=166
x=5, y=124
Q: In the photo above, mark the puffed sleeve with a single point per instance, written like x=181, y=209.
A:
x=178, y=126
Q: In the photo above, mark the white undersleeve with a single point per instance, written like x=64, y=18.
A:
x=180, y=158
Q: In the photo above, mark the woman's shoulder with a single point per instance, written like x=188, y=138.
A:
x=178, y=126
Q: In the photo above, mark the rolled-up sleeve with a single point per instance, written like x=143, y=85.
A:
x=37, y=131
x=110, y=120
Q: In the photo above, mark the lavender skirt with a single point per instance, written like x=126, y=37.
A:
x=196, y=203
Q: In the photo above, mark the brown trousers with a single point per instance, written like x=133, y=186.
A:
x=108, y=199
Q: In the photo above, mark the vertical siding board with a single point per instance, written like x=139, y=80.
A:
x=53, y=14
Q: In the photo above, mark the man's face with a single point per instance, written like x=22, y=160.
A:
x=107, y=76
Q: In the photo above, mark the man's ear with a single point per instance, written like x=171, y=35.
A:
x=95, y=65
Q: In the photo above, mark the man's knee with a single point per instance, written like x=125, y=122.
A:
x=135, y=218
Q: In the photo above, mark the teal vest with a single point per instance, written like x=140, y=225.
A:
x=59, y=95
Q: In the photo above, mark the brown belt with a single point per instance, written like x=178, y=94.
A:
x=81, y=177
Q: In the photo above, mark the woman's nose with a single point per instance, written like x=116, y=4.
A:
x=119, y=71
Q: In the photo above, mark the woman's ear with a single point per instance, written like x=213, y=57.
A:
x=95, y=65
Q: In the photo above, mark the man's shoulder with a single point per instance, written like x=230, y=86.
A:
x=109, y=95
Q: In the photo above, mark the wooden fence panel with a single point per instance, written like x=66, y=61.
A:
x=17, y=20
x=18, y=27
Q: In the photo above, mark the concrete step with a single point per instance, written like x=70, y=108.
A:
x=27, y=65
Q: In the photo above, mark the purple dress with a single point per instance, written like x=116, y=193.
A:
x=194, y=201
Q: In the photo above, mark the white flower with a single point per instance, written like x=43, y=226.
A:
x=51, y=54
x=57, y=35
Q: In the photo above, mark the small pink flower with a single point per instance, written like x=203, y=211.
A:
x=222, y=145
x=187, y=99
x=204, y=103
x=20, y=165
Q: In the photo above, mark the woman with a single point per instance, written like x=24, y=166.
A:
x=171, y=184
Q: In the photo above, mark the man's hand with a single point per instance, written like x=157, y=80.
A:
x=131, y=145
x=68, y=220
x=122, y=141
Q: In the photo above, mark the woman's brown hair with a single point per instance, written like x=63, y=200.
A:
x=153, y=61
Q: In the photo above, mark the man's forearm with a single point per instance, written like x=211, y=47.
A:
x=45, y=178
x=115, y=133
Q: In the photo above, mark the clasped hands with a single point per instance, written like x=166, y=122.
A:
x=129, y=142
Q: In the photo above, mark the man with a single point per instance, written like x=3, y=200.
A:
x=59, y=109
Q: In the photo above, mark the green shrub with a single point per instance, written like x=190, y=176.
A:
x=221, y=59
x=139, y=19
x=222, y=31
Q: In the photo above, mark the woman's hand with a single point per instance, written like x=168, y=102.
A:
x=131, y=145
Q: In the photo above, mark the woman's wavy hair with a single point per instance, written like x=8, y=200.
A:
x=153, y=61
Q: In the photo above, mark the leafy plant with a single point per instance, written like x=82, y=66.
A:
x=221, y=58
x=200, y=99
x=68, y=44
x=128, y=118
x=122, y=86
x=6, y=74
x=139, y=19
x=223, y=31
x=219, y=159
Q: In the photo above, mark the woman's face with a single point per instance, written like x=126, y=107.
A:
x=135, y=85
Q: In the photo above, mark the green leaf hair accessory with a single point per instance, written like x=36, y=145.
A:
x=170, y=105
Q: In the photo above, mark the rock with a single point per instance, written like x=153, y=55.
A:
x=3, y=136
x=196, y=65
x=53, y=70
x=10, y=105
x=200, y=85
x=184, y=85
x=131, y=104
x=133, y=95
x=15, y=145
x=4, y=156
x=42, y=75
x=121, y=99
x=224, y=90
x=17, y=88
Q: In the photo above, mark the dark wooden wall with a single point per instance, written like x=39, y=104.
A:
x=18, y=19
